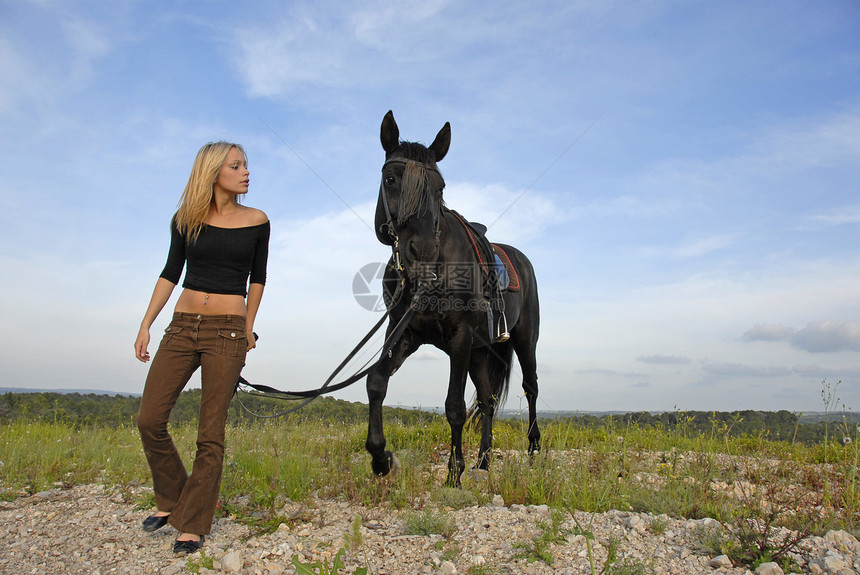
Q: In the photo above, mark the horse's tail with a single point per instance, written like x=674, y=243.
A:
x=499, y=374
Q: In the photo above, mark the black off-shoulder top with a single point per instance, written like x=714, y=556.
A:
x=221, y=261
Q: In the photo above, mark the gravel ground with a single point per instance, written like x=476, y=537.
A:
x=91, y=529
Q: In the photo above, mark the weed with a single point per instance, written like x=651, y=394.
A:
x=429, y=522
x=830, y=400
x=538, y=549
x=451, y=552
x=353, y=538
x=145, y=500
x=200, y=561
x=658, y=525
x=454, y=498
x=750, y=542
x=323, y=568
x=629, y=566
x=611, y=546
x=483, y=569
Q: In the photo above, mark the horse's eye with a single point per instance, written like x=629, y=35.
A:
x=389, y=180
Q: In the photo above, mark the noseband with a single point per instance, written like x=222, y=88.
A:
x=389, y=225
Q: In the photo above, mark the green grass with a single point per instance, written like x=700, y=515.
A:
x=738, y=480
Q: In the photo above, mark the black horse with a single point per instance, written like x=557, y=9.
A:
x=443, y=277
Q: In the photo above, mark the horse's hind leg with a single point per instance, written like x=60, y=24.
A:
x=524, y=345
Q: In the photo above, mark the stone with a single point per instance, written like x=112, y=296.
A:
x=720, y=561
x=232, y=562
x=770, y=568
x=842, y=540
x=832, y=563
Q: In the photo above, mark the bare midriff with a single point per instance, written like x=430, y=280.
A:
x=192, y=301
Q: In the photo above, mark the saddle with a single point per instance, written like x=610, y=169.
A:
x=499, y=276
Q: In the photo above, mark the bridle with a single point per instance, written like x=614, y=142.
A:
x=388, y=227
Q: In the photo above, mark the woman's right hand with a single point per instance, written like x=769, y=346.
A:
x=140, y=345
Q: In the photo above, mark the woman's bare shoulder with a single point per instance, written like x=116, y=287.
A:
x=253, y=216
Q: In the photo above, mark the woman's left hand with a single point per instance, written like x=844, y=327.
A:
x=251, y=337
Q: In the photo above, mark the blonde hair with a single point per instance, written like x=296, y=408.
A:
x=197, y=197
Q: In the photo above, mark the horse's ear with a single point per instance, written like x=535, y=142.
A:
x=389, y=133
x=442, y=142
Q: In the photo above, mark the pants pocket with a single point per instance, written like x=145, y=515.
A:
x=232, y=343
x=171, y=336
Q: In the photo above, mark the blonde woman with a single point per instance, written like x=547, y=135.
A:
x=224, y=247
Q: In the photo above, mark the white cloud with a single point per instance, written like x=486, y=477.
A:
x=336, y=241
x=17, y=80
x=89, y=41
x=769, y=332
x=309, y=47
x=828, y=336
x=816, y=337
x=841, y=216
x=664, y=359
x=693, y=248
x=818, y=142
x=511, y=216
x=819, y=372
x=727, y=369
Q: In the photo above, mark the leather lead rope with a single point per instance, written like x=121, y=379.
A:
x=388, y=345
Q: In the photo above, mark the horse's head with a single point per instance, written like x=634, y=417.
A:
x=410, y=202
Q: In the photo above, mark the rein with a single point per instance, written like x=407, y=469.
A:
x=327, y=387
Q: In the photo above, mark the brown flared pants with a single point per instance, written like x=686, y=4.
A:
x=216, y=344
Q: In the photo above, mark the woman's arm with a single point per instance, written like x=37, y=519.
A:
x=255, y=295
x=160, y=295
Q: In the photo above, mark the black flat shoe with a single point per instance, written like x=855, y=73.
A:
x=187, y=546
x=154, y=522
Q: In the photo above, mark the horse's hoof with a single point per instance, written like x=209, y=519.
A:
x=391, y=468
x=395, y=465
x=479, y=475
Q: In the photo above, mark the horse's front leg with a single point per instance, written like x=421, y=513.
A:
x=455, y=404
x=382, y=461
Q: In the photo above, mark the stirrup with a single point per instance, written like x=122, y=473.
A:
x=502, y=333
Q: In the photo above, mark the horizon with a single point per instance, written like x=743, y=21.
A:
x=439, y=410
x=683, y=176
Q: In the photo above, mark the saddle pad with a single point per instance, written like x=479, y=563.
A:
x=514, y=284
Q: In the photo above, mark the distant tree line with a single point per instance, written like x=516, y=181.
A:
x=113, y=410
x=772, y=425
x=93, y=409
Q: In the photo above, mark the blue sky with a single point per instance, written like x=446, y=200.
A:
x=683, y=175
